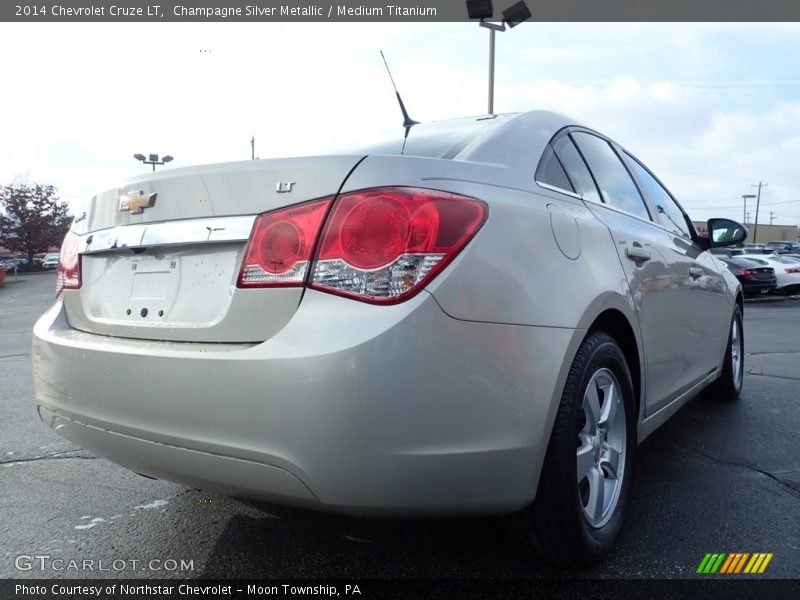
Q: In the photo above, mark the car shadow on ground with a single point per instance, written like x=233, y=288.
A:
x=287, y=543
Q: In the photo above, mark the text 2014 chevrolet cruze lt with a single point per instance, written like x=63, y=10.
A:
x=485, y=315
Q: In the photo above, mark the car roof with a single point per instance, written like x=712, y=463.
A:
x=515, y=140
x=518, y=141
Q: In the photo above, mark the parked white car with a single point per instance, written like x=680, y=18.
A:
x=50, y=260
x=787, y=270
x=14, y=262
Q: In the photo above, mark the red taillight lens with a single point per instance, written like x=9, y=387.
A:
x=747, y=272
x=281, y=244
x=792, y=270
x=68, y=274
x=382, y=245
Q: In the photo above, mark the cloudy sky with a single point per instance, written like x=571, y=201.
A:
x=711, y=109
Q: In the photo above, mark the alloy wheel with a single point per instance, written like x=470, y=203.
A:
x=736, y=354
x=601, y=447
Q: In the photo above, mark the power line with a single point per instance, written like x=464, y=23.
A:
x=790, y=187
x=785, y=216
x=737, y=205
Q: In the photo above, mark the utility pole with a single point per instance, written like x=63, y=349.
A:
x=771, y=217
x=759, y=185
x=253, y=148
x=747, y=218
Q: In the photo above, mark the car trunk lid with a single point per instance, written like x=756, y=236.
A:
x=160, y=255
x=764, y=273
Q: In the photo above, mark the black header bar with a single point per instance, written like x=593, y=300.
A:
x=392, y=10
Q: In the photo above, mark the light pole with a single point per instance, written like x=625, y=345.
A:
x=491, y=69
x=512, y=16
x=152, y=159
x=744, y=211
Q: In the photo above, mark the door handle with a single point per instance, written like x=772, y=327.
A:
x=695, y=272
x=637, y=253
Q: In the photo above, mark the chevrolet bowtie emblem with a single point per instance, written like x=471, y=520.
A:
x=136, y=202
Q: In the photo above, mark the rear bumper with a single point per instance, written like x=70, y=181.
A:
x=351, y=407
x=752, y=287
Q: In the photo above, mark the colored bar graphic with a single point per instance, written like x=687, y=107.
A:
x=757, y=566
x=711, y=563
x=731, y=562
x=766, y=562
x=740, y=564
x=749, y=567
x=718, y=563
x=728, y=564
x=703, y=563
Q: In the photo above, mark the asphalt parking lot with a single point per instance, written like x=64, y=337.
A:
x=719, y=477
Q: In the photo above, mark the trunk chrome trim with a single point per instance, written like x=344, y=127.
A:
x=171, y=233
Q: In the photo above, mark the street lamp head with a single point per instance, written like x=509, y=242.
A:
x=167, y=158
x=153, y=158
x=480, y=9
x=139, y=156
x=748, y=195
x=516, y=14
x=495, y=26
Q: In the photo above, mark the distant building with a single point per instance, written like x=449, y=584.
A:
x=766, y=233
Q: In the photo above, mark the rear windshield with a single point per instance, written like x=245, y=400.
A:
x=786, y=260
x=745, y=262
x=440, y=139
x=755, y=262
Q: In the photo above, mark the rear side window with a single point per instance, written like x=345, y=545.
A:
x=669, y=213
x=576, y=169
x=551, y=172
x=613, y=179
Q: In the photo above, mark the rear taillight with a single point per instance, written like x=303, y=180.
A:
x=747, y=272
x=68, y=274
x=792, y=270
x=383, y=245
x=378, y=245
x=281, y=245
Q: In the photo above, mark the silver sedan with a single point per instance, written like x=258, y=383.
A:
x=474, y=316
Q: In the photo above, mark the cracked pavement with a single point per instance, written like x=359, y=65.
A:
x=718, y=477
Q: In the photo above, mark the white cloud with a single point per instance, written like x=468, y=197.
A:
x=86, y=97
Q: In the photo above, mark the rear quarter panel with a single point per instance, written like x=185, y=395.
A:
x=542, y=259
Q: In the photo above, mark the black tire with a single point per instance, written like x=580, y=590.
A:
x=729, y=384
x=556, y=526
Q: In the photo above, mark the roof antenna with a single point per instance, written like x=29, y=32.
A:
x=408, y=122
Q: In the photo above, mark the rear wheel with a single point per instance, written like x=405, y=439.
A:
x=729, y=384
x=585, y=480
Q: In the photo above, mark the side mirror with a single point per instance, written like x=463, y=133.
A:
x=725, y=232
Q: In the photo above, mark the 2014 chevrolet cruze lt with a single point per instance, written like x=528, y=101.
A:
x=483, y=315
